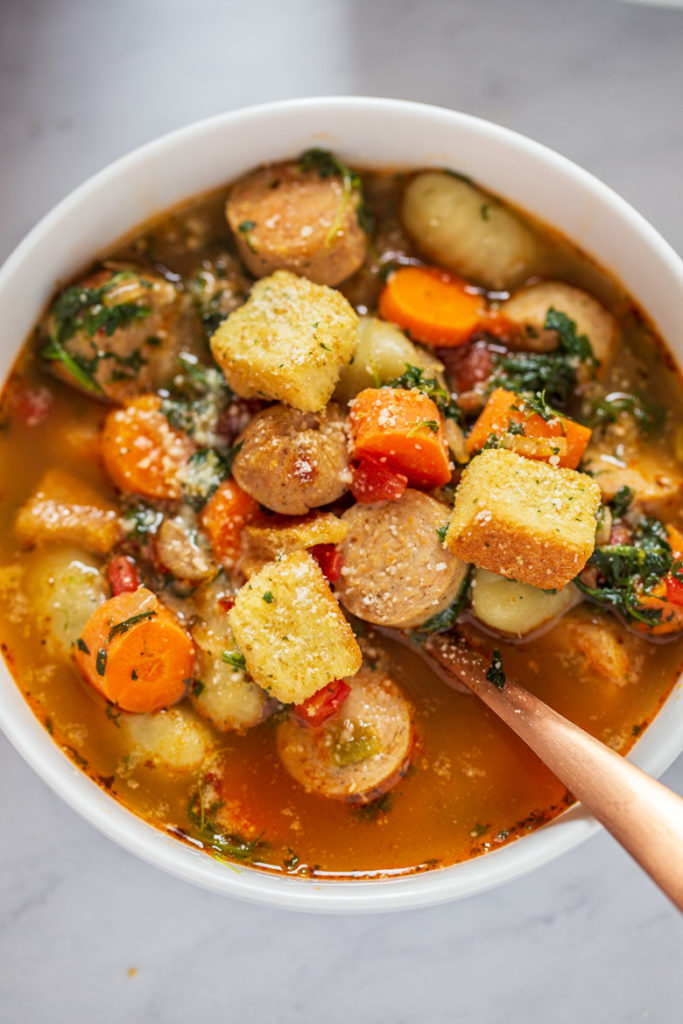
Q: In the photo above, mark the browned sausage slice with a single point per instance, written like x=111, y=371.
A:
x=359, y=754
x=284, y=218
x=293, y=461
x=396, y=571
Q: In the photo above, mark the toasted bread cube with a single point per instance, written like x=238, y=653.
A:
x=291, y=631
x=525, y=520
x=288, y=342
x=295, y=533
x=65, y=508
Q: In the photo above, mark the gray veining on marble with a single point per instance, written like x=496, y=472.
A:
x=588, y=938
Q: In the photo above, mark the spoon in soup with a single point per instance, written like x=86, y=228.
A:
x=641, y=813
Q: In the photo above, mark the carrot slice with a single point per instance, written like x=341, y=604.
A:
x=433, y=305
x=135, y=652
x=560, y=441
x=142, y=453
x=404, y=428
x=224, y=516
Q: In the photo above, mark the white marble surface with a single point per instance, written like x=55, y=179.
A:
x=588, y=938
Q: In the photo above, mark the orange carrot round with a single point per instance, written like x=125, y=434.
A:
x=224, y=516
x=404, y=428
x=434, y=306
x=135, y=652
x=142, y=453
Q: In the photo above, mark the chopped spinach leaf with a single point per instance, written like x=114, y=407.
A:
x=443, y=621
x=413, y=378
x=495, y=674
x=626, y=572
x=621, y=501
x=553, y=374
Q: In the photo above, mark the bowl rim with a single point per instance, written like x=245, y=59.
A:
x=31, y=740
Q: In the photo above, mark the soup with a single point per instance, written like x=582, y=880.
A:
x=314, y=406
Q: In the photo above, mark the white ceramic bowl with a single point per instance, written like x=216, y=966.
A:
x=371, y=132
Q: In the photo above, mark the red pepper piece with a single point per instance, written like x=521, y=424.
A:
x=329, y=559
x=373, y=480
x=324, y=703
x=122, y=575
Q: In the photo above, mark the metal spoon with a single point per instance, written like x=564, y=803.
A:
x=642, y=814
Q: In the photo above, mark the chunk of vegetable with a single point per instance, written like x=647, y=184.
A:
x=517, y=608
x=465, y=230
x=382, y=354
x=122, y=576
x=435, y=307
x=135, y=652
x=323, y=704
x=224, y=517
x=404, y=428
x=142, y=453
x=373, y=480
x=513, y=419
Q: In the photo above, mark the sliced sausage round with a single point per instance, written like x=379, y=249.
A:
x=115, y=334
x=396, y=571
x=293, y=461
x=285, y=218
x=360, y=753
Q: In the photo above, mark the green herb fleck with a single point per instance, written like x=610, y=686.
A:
x=123, y=627
x=101, y=661
x=82, y=646
x=235, y=658
x=495, y=674
x=268, y=597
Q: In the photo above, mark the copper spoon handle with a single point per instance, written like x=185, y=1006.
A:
x=641, y=813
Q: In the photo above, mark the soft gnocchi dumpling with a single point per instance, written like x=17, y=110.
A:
x=463, y=229
x=382, y=354
x=64, y=585
x=517, y=608
x=529, y=308
x=174, y=739
x=224, y=695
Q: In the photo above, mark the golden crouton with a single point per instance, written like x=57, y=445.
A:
x=524, y=519
x=294, y=533
x=288, y=342
x=290, y=630
x=65, y=508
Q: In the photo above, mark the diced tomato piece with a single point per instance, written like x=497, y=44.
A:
x=330, y=561
x=226, y=603
x=373, y=480
x=674, y=590
x=32, y=404
x=323, y=704
x=122, y=575
x=470, y=365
